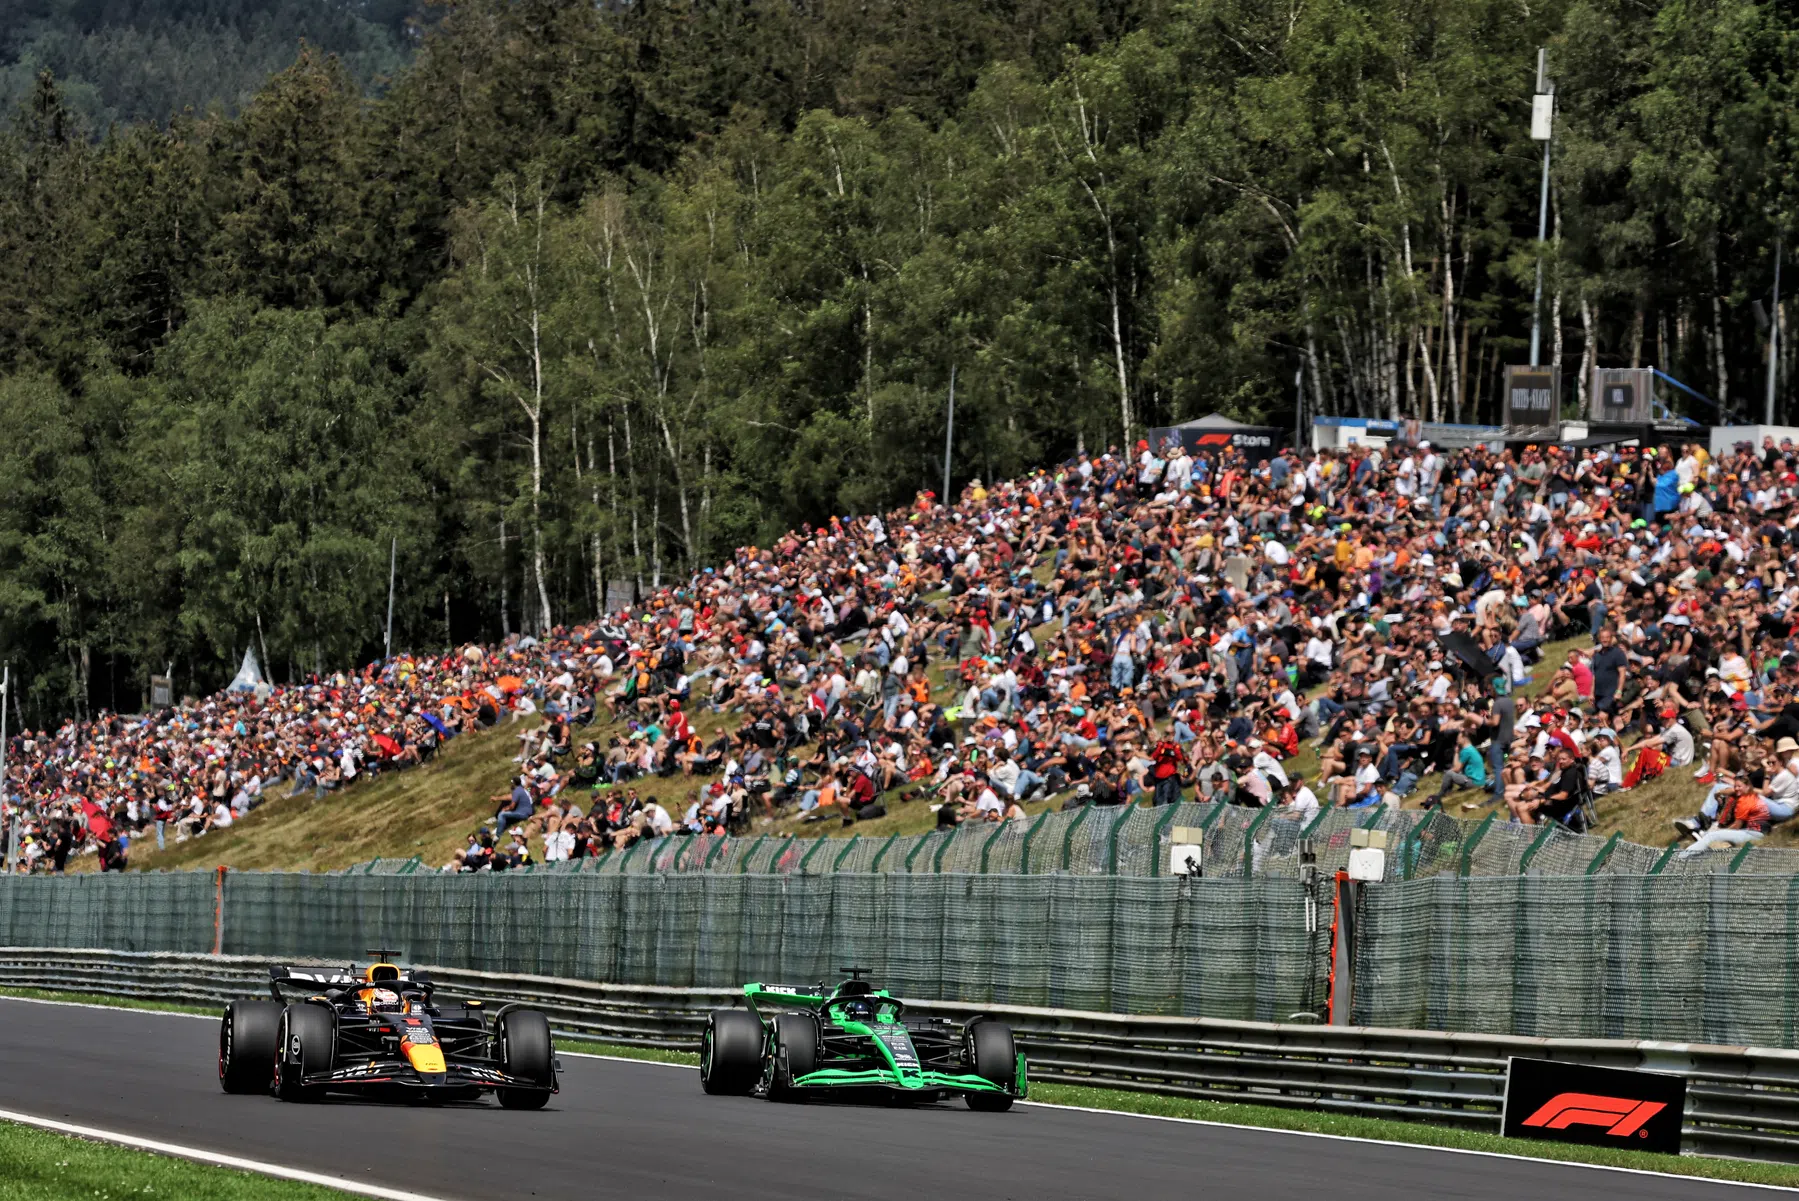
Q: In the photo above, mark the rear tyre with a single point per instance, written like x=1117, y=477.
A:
x=249, y=1036
x=308, y=1048
x=731, y=1053
x=796, y=1054
x=994, y=1057
x=527, y=1053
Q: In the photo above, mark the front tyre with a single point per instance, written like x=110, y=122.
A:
x=731, y=1053
x=527, y=1053
x=308, y=1048
x=796, y=1054
x=249, y=1037
x=994, y=1057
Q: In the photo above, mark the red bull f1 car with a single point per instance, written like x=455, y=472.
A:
x=382, y=1033
x=796, y=1044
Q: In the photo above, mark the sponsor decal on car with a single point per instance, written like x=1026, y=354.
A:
x=899, y=1045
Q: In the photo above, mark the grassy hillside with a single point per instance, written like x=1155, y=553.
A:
x=430, y=811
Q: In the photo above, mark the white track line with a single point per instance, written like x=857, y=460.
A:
x=200, y=1155
x=1125, y=1113
x=169, y=1013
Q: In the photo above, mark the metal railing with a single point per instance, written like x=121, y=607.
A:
x=1741, y=1101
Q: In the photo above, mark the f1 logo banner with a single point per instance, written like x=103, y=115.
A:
x=1599, y=1107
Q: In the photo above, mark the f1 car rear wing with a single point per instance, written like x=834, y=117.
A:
x=322, y=981
x=784, y=996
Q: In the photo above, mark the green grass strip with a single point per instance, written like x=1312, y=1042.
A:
x=39, y=1165
x=82, y=998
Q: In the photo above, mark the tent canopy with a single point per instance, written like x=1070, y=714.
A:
x=249, y=677
x=1213, y=421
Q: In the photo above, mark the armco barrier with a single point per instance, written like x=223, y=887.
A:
x=1741, y=1101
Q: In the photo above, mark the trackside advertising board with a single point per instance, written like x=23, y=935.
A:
x=1597, y=1107
x=1259, y=443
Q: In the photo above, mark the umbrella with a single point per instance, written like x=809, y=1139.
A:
x=509, y=683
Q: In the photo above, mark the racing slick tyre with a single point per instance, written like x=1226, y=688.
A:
x=249, y=1037
x=731, y=1053
x=308, y=1047
x=796, y=1054
x=526, y=1053
x=995, y=1059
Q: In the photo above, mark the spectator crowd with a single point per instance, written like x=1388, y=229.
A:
x=1145, y=623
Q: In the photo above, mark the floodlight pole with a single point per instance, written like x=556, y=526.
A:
x=1540, y=130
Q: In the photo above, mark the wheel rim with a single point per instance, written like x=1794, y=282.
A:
x=224, y=1043
x=706, y=1054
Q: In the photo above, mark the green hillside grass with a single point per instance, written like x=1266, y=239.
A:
x=430, y=811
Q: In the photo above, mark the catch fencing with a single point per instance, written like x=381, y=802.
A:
x=1224, y=948
x=1134, y=841
x=1710, y=958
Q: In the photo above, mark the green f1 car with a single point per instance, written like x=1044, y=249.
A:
x=795, y=1044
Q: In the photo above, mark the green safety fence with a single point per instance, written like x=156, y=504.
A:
x=161, y=911
x=1134, y=841
x=1680, y=956
x=1231, y=948
x=1218, y=948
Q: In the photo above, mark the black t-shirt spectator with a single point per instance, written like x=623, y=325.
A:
x=1786, y=725
x=1562, y=794
x=1608, y=662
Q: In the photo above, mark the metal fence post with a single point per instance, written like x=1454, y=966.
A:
x=1341, y=998
x=881, y=854
x=917, y=847
x=1605, y=853
x=986, y=846
x=1068, y=834
x=1112, y=838
x=1473, y=840
x=743, y=865
x=1249, y=839
x=218, y=911
x=1024, y=863
x=837, y=863
x=805, y=859
x=1536, y=845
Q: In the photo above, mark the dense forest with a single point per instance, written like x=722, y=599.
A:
x=148, y=60
x=587, y=294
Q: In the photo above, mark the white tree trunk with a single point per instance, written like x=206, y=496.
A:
x=1586, y=350
x=593, y=539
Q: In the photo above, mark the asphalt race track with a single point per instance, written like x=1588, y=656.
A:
x=628, y=1130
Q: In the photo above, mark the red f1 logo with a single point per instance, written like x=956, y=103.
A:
x=1623, y=1118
